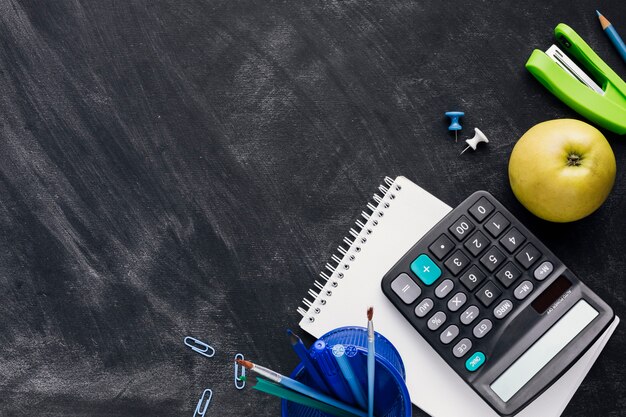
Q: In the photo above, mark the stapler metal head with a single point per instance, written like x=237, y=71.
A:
x=598, y=93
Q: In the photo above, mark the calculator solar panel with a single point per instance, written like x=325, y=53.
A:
x=501, y=309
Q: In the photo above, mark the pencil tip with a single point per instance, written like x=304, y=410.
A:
x=370, y=313
x=604, y=22
x=289, y=332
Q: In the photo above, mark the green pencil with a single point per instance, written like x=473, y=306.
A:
x=289, y=395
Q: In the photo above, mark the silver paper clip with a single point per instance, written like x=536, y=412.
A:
x=206, y=399
x=239, y=371
x=199, y=347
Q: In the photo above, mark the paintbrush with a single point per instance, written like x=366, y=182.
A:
x=298, y=387
x=277, y=390
x=371, y=362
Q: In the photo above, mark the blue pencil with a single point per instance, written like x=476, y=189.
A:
x=371, y=362
x=344, y=364
x=308, y=364
x=613, y=35
x=299, y=387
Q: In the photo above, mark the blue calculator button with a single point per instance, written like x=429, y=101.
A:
x=475, y=361
x=425, y=269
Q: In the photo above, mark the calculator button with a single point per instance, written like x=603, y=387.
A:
x=461, y=348
x=503, y=309
x=477, y=243
x=528, y=256
x=512, y=240
x=475, y=361
x=461, y=228
x=488, y=294
x=444, y=288
x=425, y=269
x=406, y=288
x=492, y=259
x=543, y=271
x=469, y=315
x=481, y=209
x=508, y=274
x=497, y=224
x=472, y=277
x=449, y=334
x=442, y=246
x=457, y=262
x=457, y=301
x=436, y=320
x=482, y=328
x=523, y=290
x=424, y=307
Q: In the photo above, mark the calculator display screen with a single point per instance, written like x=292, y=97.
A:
x=544, y=349
x=551, y=294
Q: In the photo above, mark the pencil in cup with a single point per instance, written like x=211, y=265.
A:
x=392, y=396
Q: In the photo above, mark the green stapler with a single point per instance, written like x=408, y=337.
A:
x=603, y=103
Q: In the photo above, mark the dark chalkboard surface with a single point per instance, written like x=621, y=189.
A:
x=174, y=168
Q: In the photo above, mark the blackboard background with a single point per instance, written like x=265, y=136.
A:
x=173, y=168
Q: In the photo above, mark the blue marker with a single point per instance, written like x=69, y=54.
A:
x=454, y=122
x=308, y=364
x=331, y=372
x=340, y=354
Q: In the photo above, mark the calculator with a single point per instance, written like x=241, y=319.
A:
x=495, y=303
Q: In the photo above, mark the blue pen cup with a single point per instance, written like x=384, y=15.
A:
x=391, y=397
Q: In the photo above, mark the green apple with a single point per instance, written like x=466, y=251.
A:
x=562, y=170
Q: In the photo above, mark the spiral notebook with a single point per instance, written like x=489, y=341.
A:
x=400, y=214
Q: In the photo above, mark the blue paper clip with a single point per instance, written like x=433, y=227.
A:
x=200, y=347
x=239, y=371
x=207, y=400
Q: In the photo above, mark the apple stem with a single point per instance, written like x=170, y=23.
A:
x=573, y=160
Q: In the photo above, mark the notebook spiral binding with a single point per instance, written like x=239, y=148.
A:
x=334, y=270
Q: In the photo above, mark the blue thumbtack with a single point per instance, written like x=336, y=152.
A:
x=454, y=122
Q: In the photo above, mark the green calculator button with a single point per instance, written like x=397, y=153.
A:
x=475, y=361
x=425, y=269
